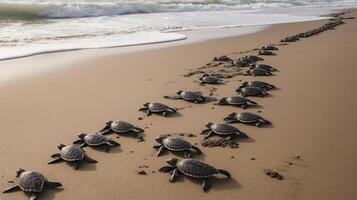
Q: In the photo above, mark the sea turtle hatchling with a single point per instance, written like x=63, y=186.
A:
x=207, y=79
x=252, y=91
x=175, y=144
x=223, y=129
x=236, y=101
x=192, y=96
x=246, y=118
x=192, y=168
x=32, y=183
x=257, y=72
x=266, y=53
x=71, y=154
x=269, y=48
x=95, y=140
x=259, y=84
x=150, y=108
x=263, y=67
x=121, y=127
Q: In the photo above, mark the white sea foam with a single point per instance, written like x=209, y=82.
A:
x=31, y=27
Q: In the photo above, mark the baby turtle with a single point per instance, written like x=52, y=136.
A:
x=121, y=127
x=266, y=53
x=223, y=58
x=192, y=168
x=95, y=140
x=222, y=130
x=176, y=144
x=264, y=67
x=32, y=183
x=207, y=79
x=71, y=154
x=259, y=84
x=236, y=101
x=193, y=96
x=150, y=108
x=246, y=118
x=269, y=48
x=258, y=72
x=252, y=91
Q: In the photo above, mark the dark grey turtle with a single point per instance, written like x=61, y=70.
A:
x=263, y=67
x=258, y=72
x=193, y=96
x=255, y=58
x=32, y=183
x=236, y=101
x=121, y=127
x=269, y=48
x=71, y=154
x=266, y=53
x=207, y=79
x=223, y=58
x=259, y=84
x=150, y=108
x=252, y=91
x=175, y=144
x=246, y=118
x=223, y=129
x=192, y=168
x=95, y=140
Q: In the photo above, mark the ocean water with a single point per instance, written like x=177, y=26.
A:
x=29, y=27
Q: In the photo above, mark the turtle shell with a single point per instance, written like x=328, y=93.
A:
x=190, y=95
x=31, y=181
x=72, y=153
x=195, y=168
x=260, y=84
x=257, y=72
x=247, y=117
x=95, y=139
x=265, y=67
x=121, y=126
x=158, y=107
x=252, y=90
x=224, y=129
x=236, y=100
x=209, y=79
x=176, y=144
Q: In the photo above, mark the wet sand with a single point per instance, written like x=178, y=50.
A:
x=312, y=111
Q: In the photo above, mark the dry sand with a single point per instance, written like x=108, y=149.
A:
x=313, y=113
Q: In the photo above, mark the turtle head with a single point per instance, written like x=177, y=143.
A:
x=172, y=161
x=208, y=124
x=82, y=135
x=232, y=114
x=179, y=92
x=223, y=100
x=109, y=123
x=19, y=172
x=60, y=146
x=239, y=89
x=146, y=105
x=244, y=84
x=159, y=139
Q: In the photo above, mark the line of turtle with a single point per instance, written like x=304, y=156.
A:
x=33, y=183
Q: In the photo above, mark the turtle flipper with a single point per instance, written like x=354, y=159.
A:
x=161, y=149
x=12, y=189
x=113, y=143
x=148, y=112
x=206, y=185
x=210, y=133
x=55, y=160
x=224, y=172
x=56, y=155
x=166, y=169
x=52, y=185
x=173, y=97
x=89, y=160
x=174, y=175
x=80, y=141
x=138, y=130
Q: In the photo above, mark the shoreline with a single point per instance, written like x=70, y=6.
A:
x=52, y=108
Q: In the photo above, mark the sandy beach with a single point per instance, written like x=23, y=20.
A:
x=313, y=113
